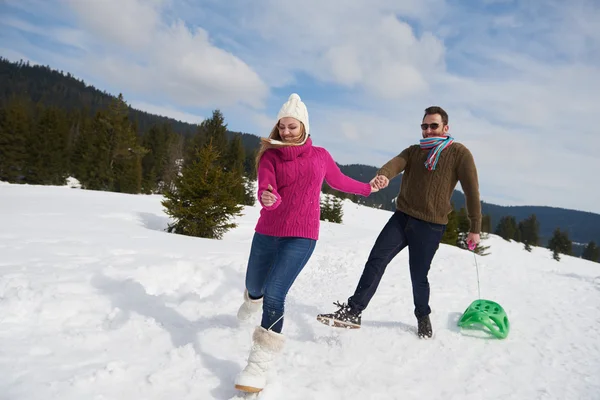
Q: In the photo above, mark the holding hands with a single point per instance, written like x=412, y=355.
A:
x=268, y=198
x=379, y=182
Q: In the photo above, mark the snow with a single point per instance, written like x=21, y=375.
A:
x=98, y=302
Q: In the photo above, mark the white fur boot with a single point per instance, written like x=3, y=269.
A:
x=266, y=346
x=248, y=307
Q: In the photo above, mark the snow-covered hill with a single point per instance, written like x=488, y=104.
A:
x=98, y=302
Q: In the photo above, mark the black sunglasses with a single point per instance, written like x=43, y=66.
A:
x=433, y=126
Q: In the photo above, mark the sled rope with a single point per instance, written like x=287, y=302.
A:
x=477, y=270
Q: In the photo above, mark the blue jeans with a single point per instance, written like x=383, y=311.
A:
x=273, y=266
x=422, y=238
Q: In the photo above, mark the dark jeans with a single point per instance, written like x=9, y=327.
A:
x=273, y=266
x=422, y=238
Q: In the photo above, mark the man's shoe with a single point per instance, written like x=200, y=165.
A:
x=344, y=317
x=424, y=327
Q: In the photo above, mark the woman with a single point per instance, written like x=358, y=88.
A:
x=290, y=176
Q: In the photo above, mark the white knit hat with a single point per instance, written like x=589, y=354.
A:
x=295, y=108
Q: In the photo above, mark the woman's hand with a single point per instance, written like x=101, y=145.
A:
x=268, y=198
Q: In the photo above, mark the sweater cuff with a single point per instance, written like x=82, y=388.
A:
x=384, y=172
x=475, y=226
x=274, y=205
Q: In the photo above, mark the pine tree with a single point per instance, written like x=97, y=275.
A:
x=517, y=238
x=212, y=130
x=14, y=130
x=591, y=252
x=91, y=158
x=331, y=209
x=215, y=131
x=125, y=152
x=560, y=244
x=201, y=203
x=47, y=159
x=529, y=229
x=92, y=154
x=158, y=141
x=236, y=155
x=193, y=144
x=507, y=228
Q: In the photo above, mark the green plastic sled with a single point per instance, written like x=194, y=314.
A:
x=489, y=314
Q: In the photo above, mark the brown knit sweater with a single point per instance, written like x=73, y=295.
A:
x=426, y=194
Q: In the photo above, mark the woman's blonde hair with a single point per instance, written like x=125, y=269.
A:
x=265, y=143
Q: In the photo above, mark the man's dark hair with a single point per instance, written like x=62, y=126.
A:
x=437, y=110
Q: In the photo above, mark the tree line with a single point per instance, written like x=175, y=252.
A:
x=105, y=150
x=527, y=231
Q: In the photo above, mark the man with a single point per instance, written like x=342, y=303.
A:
x=431, y=171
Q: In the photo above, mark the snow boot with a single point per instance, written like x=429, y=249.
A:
x=344, y=317
x=424, y=327
x=249, y=307
x=266, y=346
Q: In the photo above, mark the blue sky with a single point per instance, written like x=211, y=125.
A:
x=520, y=79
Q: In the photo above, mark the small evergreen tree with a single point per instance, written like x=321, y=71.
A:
x=591, y=252
x=507, y=228
x=202, y=204
x=530, y=231
x=560, y=244
x=331, y=209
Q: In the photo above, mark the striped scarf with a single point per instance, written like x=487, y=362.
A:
x=437, y=145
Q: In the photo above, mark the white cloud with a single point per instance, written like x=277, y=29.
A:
x=129, y=23
x=361, y=45
x=131, y=45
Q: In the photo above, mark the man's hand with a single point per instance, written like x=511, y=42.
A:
x=473, y=238
x=268, y=198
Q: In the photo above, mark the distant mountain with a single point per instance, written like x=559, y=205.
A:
x=51, y=87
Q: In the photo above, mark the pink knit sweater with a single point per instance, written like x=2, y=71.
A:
x=296, y=174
